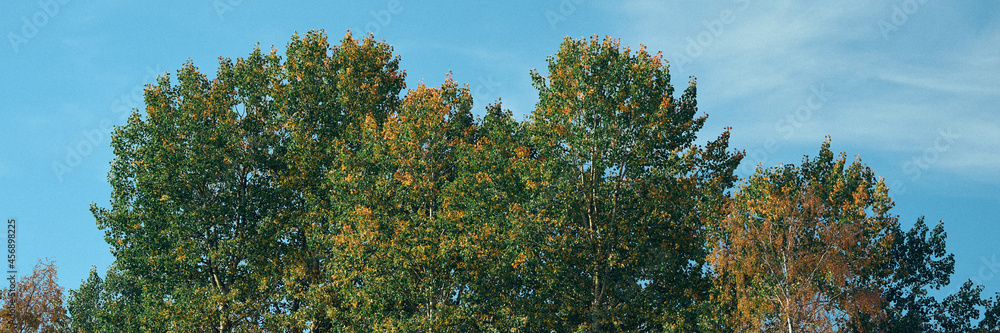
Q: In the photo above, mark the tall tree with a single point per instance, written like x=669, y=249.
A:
x=35, y=303
x=919, y=264
x=112, y=304
x=422, y=218
x=328, y=96
x=215, y=186
x=192, y=203
x=813, y=248
x=85, y=305
x=801, y=246
x=621, y=190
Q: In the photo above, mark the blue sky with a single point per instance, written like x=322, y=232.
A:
x=912, y=87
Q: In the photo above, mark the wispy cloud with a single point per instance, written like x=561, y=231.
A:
x=889, y=96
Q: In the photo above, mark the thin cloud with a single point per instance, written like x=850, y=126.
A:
x=889, y=95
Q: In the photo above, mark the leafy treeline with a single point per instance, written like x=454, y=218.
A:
x=304, y=194
x=34, y=303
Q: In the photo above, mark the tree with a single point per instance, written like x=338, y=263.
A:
x=329, y=97
x=193, y=202
x=619, y=190
x=801, y=246
x=216, y=188
x=305, y=194
x=112, y=304
x=421, y=223
x=813, y=248
x=960, y=312
x=85, y=305
x=35, y=303
x=918, y=263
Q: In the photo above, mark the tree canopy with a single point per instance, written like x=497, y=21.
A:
x=801, y=246
x=310, y=193
x=34, y=303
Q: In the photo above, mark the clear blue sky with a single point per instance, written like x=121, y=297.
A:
x=912, y=87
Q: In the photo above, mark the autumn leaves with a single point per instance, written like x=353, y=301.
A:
x=303, y=194
x=802, y=245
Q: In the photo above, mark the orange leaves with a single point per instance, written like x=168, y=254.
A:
x=483, y=177
x=403, y=177
x=34, y=303
x=560, y=130
x=796, y=233
x=522, y=151
x=519, y=261
x=363, y=211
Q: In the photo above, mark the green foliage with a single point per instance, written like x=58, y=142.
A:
x=85, y=305
x=193, y=203
x=113, y=304
x=304, y=194
x=212, y=189
x=619, y=186
x=414, y=220
x=918, y=265
x=328, y=96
